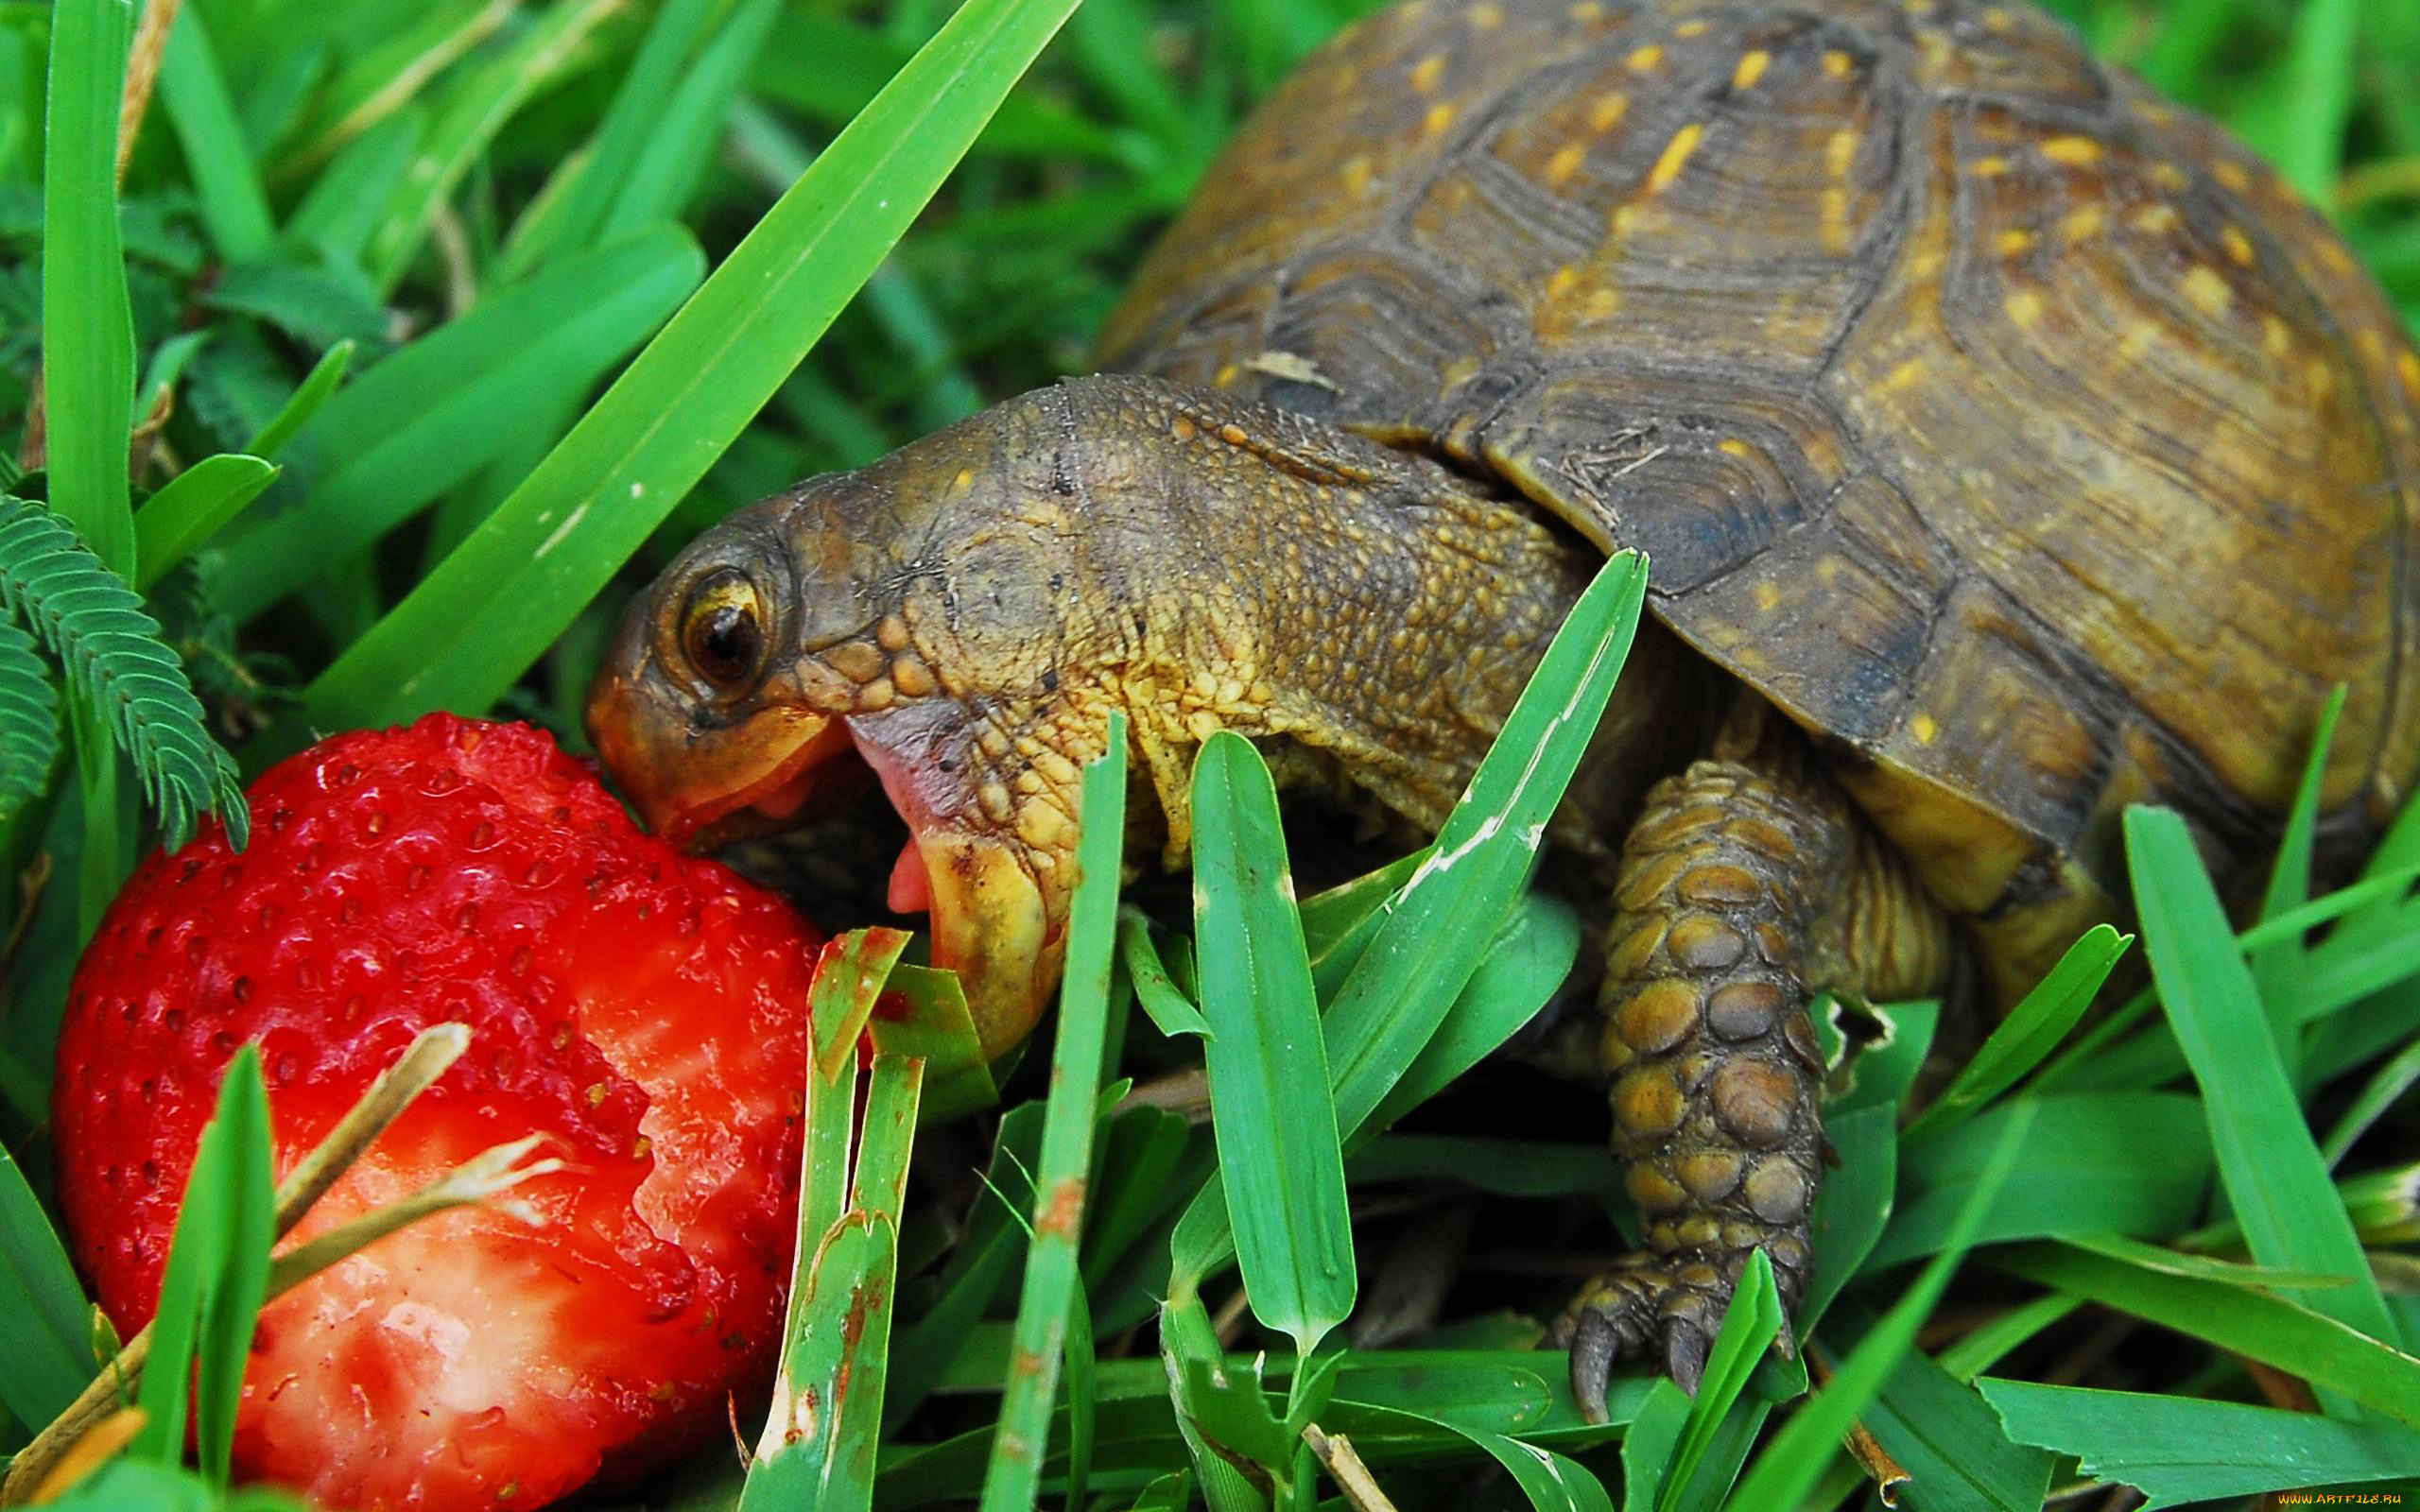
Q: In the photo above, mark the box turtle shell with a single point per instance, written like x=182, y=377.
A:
x=2017, y=432
x=2010, y=447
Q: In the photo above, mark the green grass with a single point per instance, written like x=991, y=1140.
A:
x=473, y=313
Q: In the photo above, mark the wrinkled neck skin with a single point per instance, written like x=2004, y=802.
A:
x=1205, y=564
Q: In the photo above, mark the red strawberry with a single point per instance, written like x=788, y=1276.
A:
x=644, y=1010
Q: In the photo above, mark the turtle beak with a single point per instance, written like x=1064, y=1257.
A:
x=704, y=788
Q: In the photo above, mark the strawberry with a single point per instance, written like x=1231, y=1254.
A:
x=644, y=1010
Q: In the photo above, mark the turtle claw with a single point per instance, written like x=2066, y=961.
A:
x=1644, y=1306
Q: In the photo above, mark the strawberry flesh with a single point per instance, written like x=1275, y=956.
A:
x=644, y=1010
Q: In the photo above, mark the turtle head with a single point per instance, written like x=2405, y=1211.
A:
x=913, y=625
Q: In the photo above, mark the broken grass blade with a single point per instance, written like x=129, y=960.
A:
x=1270, y=1108
x=1163, y=1000
x=819, y=1443
x=1012, y=1479
x=2179, y=1450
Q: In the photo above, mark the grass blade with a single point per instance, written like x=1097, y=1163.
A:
x=1795, y=1459
x=432, y=414
x=1429, y=943
x=2277, y=965
x=1957, y=1456
x=2174, y=1448
x=819, y=1445
x=2100, y=1163
x=226, y=181
x=2275, y=1177
x=2033, y=1029
x=1162, y=999
x=574, y=213
x=2249, y=1322
x=217, y=1272
x=194, y=506
x=88, y=347
x=318, y=387
x=472, y=626
x=1750, y=1326
x=474, y=108
x=1013, y=1478
x=43, y=1334
x=1268, y=1088
x=1525, y=964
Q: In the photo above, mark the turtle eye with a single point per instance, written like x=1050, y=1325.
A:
x=722, y=629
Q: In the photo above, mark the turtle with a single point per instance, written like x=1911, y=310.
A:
x=2008, y=445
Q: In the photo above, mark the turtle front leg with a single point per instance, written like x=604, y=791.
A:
x=1732, y=903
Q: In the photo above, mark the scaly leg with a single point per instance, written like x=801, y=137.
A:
x=1734, y=903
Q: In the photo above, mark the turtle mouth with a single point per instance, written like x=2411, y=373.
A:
x=988, y=917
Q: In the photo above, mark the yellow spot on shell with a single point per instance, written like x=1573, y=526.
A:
x=2332, y=253
x=1602, y=304
x=1675, y=158
x=2012, y=242
x=2207, y=291
x=1925, y=728
x=2407, y=367
x=1565, y=277
x=2275, y=337
x=1645, y=58
x=1426, y=73
x=1460, y=370
x=1991, y=167
x=1904, y=376
x=2072, y=151
x=2083, y=223
x=2156, y=115
x=1838, y=63
x=2140, y=337
x=1996, y=19
x=1733, y=446
x=1768, y=597
x=1486, y=17
x=2233, y=176
x=1441, y=115
x=2239, y=246
x=1692, y=29
x=1587, y=11
x=1840, y=151
x=1751, y=68
x=1226, y=376
x=2170, y=176
x=2024, y=307
x=2155, y=219
x=2321, y=375
x=1357, y=175
x=1566, y=163
x=1608, y=110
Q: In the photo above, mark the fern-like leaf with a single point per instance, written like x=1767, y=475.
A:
x=117, y=663
x=28, y=721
